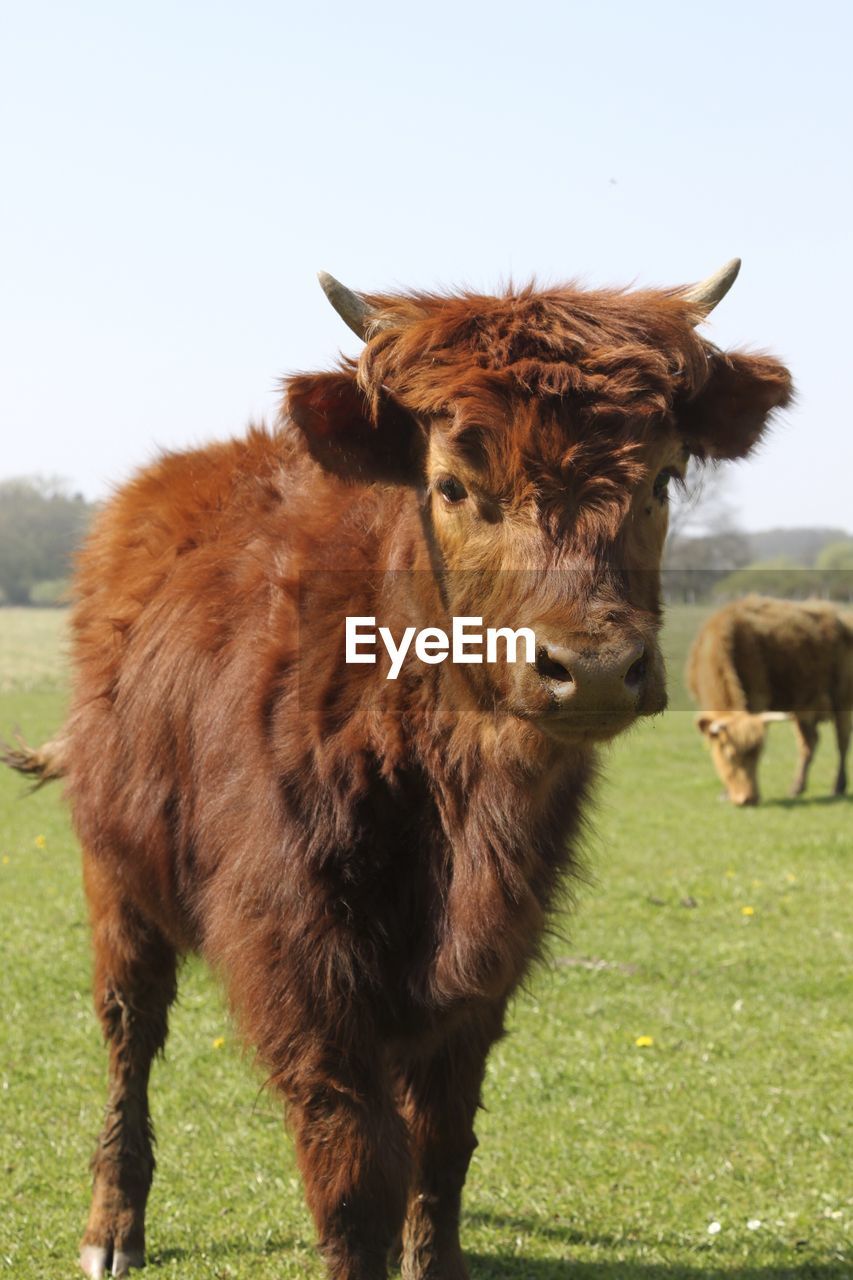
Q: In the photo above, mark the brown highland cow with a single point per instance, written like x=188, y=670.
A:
x=369, y=862
x=759, y=660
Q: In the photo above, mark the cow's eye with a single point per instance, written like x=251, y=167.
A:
x=660, y=487
x=452, y=490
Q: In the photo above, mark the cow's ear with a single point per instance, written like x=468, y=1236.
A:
x=334, y=416
x=709, y=724
x=729, y=415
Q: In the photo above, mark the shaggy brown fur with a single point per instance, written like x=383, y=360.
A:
x=759, y=655
x=370, y=863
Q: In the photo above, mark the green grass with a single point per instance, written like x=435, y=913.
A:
x=598, y=1159
x=32, y=650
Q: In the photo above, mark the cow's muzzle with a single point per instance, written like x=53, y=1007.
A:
x=599, y=689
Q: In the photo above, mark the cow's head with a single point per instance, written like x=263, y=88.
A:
x=736, y=739
x=543, y=430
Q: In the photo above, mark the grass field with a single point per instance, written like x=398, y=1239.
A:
x=722, y=936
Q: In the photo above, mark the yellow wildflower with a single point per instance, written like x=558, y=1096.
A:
x=791, y=879
x=39, y=842
x=729, y=874
x=219, y=1042
x=747, y=911
x=5, y=859
x=644, y=1042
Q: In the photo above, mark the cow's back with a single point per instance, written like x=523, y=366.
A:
x=200, y=500
x=183, y=608
x=761, y=654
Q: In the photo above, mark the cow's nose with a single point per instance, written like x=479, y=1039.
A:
x=594, y=680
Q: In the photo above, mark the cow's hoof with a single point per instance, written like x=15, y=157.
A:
x=98, y=1261
x=122, y=1262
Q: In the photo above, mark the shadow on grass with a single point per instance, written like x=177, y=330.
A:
x=795, y=802
x=497, y=1268
x=514, y=1267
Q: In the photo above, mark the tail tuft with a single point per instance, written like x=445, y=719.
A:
x=42, y=764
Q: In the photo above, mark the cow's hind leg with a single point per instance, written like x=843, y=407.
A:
x=807, y=736
x=134, y=984
x=352, y=1150
x=842, y=733
x=442, y=1093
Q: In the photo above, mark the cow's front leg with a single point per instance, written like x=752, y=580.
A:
x=807, y=737
x=353, y=1153
x=441, y=1096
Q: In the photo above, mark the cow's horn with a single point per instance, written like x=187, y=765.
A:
x=705, y=296
x=352, y=309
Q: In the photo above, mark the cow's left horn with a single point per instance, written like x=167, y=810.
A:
x=705, y=296
x=352, y=309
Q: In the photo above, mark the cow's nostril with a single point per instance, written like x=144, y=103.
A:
x=636, y=673
x=550, y=669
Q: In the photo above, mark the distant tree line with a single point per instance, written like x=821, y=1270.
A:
x=708, y=557
x=830, y=577
x=41, y=525
x=722, y=566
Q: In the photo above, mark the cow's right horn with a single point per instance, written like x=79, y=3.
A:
x=352, y=309
x=703, y=297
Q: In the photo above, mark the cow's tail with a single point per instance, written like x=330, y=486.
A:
x=42, y=764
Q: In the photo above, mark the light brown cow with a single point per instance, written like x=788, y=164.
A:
x=760, y=660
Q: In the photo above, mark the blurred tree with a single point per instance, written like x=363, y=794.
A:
x=707, y=554
x=800, y=545
x=704, y=543
x=41, y=524
x=702, y=505
x=838, y=555
x=834, y=568
x=781, y=577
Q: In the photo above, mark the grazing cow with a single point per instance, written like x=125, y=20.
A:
x=369, y=862
x=759, y=660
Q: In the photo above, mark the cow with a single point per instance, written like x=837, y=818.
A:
x=759, y=660
x=369, y=863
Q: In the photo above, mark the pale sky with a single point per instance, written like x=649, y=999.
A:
x=174, y=175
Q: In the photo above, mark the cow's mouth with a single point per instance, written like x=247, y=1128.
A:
x=573, y=724
x=590, y=727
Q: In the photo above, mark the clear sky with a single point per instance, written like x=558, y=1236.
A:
x=174, y=174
